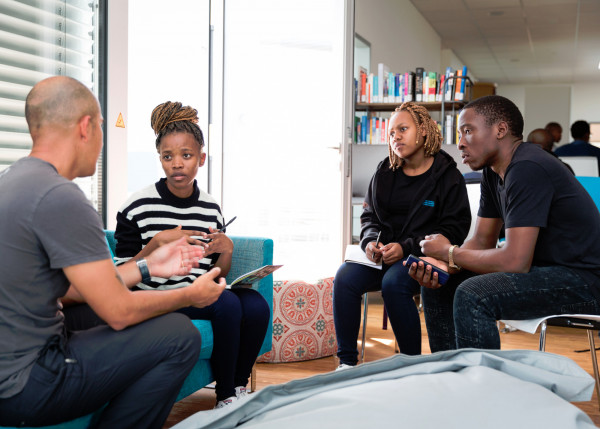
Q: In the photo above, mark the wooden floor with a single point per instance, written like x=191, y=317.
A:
x=380, y=344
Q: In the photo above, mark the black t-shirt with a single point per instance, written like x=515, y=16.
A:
x=538, y=191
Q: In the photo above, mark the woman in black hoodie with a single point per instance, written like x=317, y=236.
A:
x=417, y=190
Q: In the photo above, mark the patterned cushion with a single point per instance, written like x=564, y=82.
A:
x=302, y=321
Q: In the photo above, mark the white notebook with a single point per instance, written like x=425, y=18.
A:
x=356, y=255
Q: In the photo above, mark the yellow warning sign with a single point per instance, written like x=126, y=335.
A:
x=120, y=122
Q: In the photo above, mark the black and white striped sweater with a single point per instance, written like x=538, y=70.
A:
x=154, y=209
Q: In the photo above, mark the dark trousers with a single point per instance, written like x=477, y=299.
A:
x=137, y=373
x=239, y=320
x=463, y=313
x=397, y=289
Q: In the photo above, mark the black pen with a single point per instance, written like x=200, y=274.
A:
x=228, y=223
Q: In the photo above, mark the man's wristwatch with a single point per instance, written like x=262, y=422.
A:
x=143, y=266
x=451, y=263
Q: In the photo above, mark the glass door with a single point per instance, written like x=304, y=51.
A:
x=286, y=128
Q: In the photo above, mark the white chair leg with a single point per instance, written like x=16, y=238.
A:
x=364, y=328
x=594, y=363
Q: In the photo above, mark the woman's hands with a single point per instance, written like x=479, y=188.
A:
x=219, y=243
x=170, y=235
x=389, y=253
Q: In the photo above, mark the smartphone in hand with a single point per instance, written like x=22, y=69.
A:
x=443, y=275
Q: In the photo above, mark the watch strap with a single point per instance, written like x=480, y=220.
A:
x=451, y=263
x=143, y=266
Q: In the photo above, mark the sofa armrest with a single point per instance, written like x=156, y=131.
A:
x=250, y=253
x=110, y=240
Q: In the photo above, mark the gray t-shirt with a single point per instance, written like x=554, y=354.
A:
x=46, y=224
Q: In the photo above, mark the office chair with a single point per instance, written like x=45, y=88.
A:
x=417, y=297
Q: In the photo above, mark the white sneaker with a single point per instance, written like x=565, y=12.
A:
x=241, y=392
x=225, y=402
x=343, y=366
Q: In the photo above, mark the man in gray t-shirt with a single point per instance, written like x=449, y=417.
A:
x=61, y=229
x=52, y=250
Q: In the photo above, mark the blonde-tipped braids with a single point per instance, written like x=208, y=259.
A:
x=172, y=117
x=423, y=121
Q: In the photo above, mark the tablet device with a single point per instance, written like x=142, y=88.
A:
x=443, y=276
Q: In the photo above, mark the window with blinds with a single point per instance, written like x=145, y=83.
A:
x=38, y=39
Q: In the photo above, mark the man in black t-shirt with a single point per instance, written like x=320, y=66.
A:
x=550, y=262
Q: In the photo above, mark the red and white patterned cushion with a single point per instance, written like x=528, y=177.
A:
x=302, y=321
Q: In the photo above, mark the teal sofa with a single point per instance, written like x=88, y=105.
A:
x=249, y=253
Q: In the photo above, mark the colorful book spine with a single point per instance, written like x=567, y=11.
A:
x=363, y=87
x=432, y=82
x=376, y=89
x=457, y=85
x=461, y=92
x=364, y=129
x=400, y=92
x=440, y=90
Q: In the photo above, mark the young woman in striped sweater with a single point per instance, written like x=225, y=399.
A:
x=174, y=207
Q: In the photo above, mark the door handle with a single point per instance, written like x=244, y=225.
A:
x=338, y=148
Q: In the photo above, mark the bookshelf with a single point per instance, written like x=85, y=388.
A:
x=443, y=106
x=432, y=106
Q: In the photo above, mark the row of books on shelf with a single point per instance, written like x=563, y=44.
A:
x=452, y=131
x=374, y=129
x=420, y=86
x=370, y=129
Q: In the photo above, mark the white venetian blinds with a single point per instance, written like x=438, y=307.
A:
x=38, y=39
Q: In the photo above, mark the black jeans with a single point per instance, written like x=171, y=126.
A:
x=136, y=373
x=397, y=289
x=239, y=320
x=471, y=304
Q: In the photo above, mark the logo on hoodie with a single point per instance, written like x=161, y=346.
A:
x=429, y=203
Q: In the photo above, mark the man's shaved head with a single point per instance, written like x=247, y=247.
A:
x=541, y=137
x=58, y=101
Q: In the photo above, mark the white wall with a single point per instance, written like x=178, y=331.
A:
x=399, y=35
x=582, y=99
x=585, y=102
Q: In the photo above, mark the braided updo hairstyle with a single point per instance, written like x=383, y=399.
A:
x=423, y=121
x=172, y=117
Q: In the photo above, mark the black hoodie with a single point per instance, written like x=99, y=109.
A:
x=439, y=206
